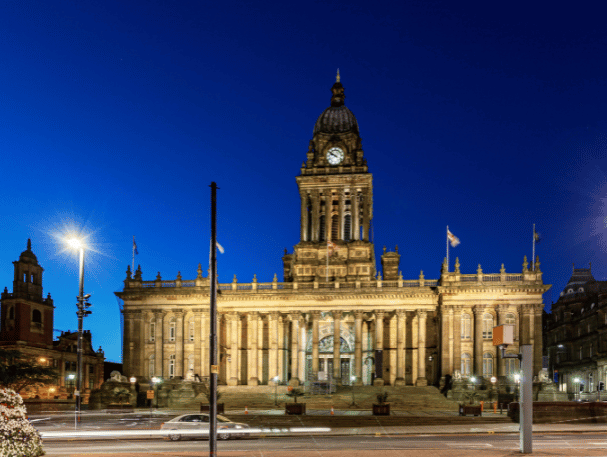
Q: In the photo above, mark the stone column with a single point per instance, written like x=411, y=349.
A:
x=537, y=343
x=379, y=347
x=197, y=341
x=401, y=337
x=355, y=215
x=232, y=319
x=273, y=340
x=342, y=205
x=260, y=348
x=315, y=321
x=337, y=347
x=421, y=349
x=315, y=197
x=252, y=320
x=451, y=367
x=159, y=353
x=303, y=232
x=294, y=381
x=443, y=355
x=501, y=318
x=282, y=373
x=205, y=350
x=179, y=362
x=457, y=339
x=358, y=348
x=127, y=367
x=478, y=340
x=414, y=351
x=366, y=205
x=141, y=337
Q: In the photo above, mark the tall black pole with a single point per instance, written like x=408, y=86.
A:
x=80, y=314
x=213, y=318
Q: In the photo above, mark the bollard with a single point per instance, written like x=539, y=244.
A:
x=482, y=405
x=332, y=412
x=501, y=408
x=494, y=407
x=246, y=410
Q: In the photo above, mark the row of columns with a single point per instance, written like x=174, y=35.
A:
x=529, y=324
x=310, y=229
x=137, y=361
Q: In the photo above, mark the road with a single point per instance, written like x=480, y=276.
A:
x=381, y=446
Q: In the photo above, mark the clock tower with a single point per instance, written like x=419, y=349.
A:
x=336, y=195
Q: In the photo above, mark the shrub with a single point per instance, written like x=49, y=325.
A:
x=18, y=437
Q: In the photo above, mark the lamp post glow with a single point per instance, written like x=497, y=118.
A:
x=576, y=384
x=275, y=379
x=77, y=244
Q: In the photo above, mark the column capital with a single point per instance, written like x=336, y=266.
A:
x=337, y=314
x=252, y=315
x=315, y=314
x=231, y=315
x=178, y=312
x=197, y=311
x=401, y=313
x=274, y=315
x=478, y=310
x=295, y=316
x=359, y=314
x=379, y=313
x=422, y=313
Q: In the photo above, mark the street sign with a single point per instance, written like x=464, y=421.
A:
x=503, y=334
x=150, y=394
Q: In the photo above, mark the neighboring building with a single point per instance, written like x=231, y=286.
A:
x=390, y=330
x=26, y=324
x=576, y=336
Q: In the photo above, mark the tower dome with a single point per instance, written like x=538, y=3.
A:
x=28, y=256
x=337, y=118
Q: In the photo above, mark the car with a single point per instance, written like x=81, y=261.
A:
x=188, y=423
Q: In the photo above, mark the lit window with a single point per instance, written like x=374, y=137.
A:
x=152, y=367
x=465, y=326
x=487, y=326
x=510, y=365
x=466, y=365
x=152, y=330
x=191, y=330
x=487, y=364
x=172, y=366
x=172, y=329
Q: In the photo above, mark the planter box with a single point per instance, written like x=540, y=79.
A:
x=295, y=408
x=470, y=410
x=206, y=408
x=381, y=410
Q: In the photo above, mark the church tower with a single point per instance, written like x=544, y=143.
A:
x=27, y=317
x=336, y=194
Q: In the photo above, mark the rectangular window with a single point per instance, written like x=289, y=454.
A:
x=153, y=331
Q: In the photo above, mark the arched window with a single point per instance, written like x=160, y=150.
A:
x=172, y=325
x=465, y=326
x=487, y=364
x=11, y=313
x=152, y=366
x=334, y=227
x=172, y=366
x=191, y=330
x=487, y=326
x=309, y=220
x=466, y=365
x=347, y=227
x=510, y=365
x=37, y=316
x=153, y=329
x=321, y=228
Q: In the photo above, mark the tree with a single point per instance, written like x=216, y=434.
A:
x=18, y=438
x=18, y=372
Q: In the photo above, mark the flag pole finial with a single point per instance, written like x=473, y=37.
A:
x=337, y=78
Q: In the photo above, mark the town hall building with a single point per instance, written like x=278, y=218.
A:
x=334, y=317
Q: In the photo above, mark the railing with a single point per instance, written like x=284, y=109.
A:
x=324, y=286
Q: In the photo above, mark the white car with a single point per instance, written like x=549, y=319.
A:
x=188, y=425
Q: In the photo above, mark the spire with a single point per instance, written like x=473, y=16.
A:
x=29, y=241
x=337, y=78
x=337, y=99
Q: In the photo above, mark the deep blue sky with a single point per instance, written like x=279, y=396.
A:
x=116, y=116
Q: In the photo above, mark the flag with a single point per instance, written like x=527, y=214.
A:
x=452, y=238
x=536, y=236
x=135, y=247
x=220, y=247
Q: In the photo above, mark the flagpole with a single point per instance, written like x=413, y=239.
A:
x=447, y=236
x=533, y=251
x=133, y=253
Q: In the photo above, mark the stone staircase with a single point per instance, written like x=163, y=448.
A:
x=346, y=398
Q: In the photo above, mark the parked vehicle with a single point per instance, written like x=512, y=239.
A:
x=188, y=426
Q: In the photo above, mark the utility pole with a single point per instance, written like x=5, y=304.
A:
x=213, y=337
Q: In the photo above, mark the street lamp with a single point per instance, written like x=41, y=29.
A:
x=517, y=379
x=79, y=245
x=353, y=379
x=576, y=384
x=133, y=380
x=275, y=379
x=155, y=382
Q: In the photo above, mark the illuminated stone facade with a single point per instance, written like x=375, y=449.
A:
x=391, y=331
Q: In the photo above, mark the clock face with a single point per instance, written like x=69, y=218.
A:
x=335, y=156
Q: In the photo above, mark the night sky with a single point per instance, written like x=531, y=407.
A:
x=116, y=116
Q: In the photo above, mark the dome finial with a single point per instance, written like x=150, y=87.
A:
x=337, y=78
x=29, y=244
